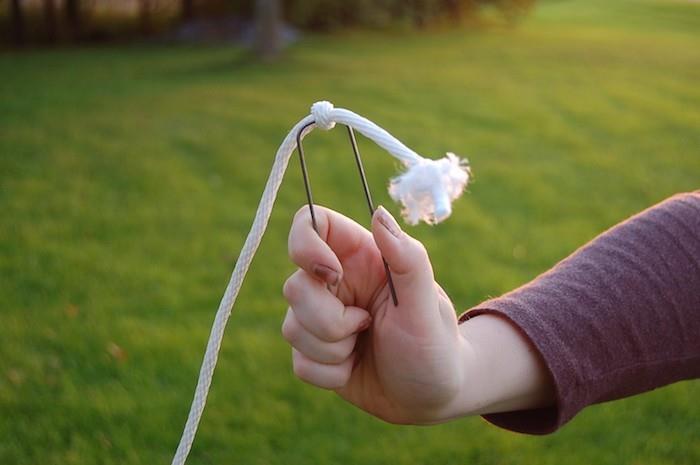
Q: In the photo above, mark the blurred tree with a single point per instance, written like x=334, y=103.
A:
x=17, y=22
x=457, y=10
x=50, y=20
x=331, y=14
x=145, y=22
x=73, y=18
x=419, y=8
x=514, y=10
x=187, y=10
x=268, y=28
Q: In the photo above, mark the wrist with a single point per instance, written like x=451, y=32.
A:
x=503, y=370
x=469, y=400
x=462, y=403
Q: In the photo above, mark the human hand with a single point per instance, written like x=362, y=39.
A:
x=402, y=363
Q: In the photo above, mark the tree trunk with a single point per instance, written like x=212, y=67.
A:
x=454, y=9
x=50, y=21
x=73, y=18
x=145, y=16
x=187, y=11
x=268, y=40
x=17, y=22
x=420, y=15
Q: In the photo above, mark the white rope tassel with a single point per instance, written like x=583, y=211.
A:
x=426, y=191
x=428, y=188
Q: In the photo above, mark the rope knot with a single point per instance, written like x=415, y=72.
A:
x=321, y=111
x=428, y=188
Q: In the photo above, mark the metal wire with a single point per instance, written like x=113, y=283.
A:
x=365, y=187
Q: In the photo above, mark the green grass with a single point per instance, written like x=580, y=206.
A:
x=129, y=177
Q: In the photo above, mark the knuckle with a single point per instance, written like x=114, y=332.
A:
x=302, y=213
x=340, y=351
x=302, y=370
x=290, y=330
x=297, y=252
x=330, y=329
x=291, y=288
x=421, y=252
x=335, y=382
x=327, y=377
x=343, y=376
x=334, y=356
x=296, y=248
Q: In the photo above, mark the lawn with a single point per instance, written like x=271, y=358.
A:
x=129, y=177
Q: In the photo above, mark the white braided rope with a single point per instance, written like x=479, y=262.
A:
x=324, y=116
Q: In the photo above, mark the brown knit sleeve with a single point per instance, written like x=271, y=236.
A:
x=618, y=317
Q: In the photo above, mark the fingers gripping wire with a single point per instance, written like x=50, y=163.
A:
x=365, y=187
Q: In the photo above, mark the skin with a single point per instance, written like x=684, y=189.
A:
x=406, y=364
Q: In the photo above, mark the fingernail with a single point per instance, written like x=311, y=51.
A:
x=327, y=274
x=388, y=221
x=364, y=325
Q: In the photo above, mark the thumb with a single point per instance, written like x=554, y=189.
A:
x=410, y=267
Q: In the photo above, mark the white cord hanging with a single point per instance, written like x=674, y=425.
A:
x=426, y=191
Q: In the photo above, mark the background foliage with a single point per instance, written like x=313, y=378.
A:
x=51, y=21
x=129, y=177
x=329, y=14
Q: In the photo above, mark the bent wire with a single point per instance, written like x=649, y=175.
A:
x=426, y=190
x=365, y=187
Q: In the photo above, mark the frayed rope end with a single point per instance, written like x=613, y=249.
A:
x=426, y=190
